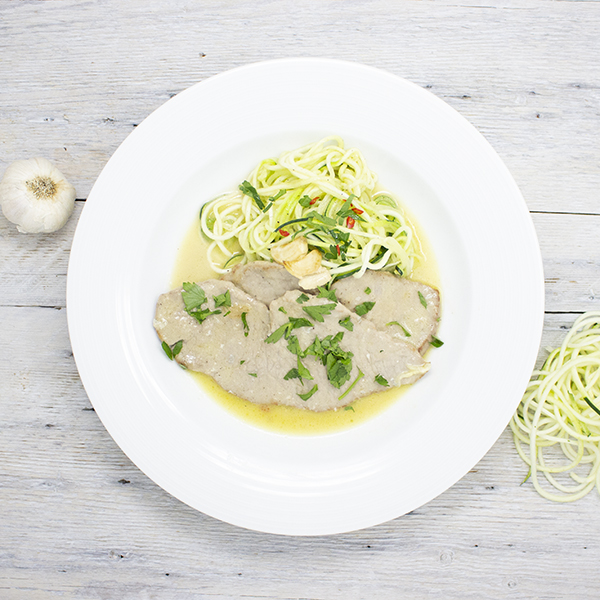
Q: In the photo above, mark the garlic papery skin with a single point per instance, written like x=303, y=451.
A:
x=35, y=196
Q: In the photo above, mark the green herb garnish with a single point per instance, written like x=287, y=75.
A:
x=172, y=351
x=306, y=396
x=347, y=323
x=358, y=378
x=317, y=311
x=302, y=298
x=253, y=374
x=176, y=349
x=367, y=290
x=249, y=190
x=222, y=300
x=281, y=309
x=349, y=408
x=422, y=299
x=193, y=296
x=167, y=350
x=435, y=342
x=245, y=324
x=406, y=332
x=381, y=380
x=325, y=293
x=364, y=308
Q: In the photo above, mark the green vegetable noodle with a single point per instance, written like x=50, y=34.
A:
x=559, y=416
x=324, y=192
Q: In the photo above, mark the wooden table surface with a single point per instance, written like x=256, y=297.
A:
x=77, y=518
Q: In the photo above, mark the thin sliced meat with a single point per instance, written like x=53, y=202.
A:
x=251, y=368
x=263, y=280
x=405, y=309
x=375, y=354
x=218, y=346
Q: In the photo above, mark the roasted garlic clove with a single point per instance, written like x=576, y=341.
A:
x=307, y=265
x=291, y=251
x=311, y=282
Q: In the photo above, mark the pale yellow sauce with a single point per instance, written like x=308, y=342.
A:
x=191, y=265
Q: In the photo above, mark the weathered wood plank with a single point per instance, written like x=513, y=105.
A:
x=525, y=74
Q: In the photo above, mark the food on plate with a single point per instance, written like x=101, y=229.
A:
x=263, y=280
x=560, y=412
x=406, y=309
x=303, y=351
x=301, y=229
x=324, y=193
x=35, y=196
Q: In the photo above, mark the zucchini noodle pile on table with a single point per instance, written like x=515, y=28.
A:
x=561, y=408
x=323, y=192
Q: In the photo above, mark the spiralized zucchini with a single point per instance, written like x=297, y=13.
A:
x=322, y=191
x=561, y=408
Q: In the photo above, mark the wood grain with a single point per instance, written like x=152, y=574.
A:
x=78, y=519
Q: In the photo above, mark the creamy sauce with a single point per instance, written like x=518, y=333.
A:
x=191, y=265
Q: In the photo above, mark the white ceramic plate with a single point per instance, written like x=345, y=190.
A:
x=205, y=141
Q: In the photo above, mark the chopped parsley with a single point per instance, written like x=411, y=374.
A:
x=381, y=380
x=317, y=311
x=222, y=300
x=358, y=378
x=325, y=293
x=308, y=394
x=281, y=309
x=193, y=298
x=347, y=323
x=253, y=374
x=245, y=324
x=422, y=299
x=406, y=332
x=301, y=299
x=349, y=408
x=172, y=351
x=435, y=342
x=287, y=328
x=242, y=362
x=249, y=190
x=364, y=308
x=305, y=201
x=367, y=290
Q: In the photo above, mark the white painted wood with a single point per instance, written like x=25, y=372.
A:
x=77, y=519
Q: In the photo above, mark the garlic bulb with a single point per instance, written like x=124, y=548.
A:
x=35, y=196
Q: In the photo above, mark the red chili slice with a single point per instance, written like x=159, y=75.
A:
x=313, y=201
x=284, y=233
x=350, y=222
x=356, y=210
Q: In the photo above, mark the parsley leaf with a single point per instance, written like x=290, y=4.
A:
x=338, y=369
x=364, y=308
x=317, y=311
x=349, y=408
x=301, y=299
x=303, y=371
x=297, y=322
x=249, y=190
x=222, y=300
x=193, y=296
x=253, y=374
x=281, y=309
x=167, y=350
x=292, y=374
x=294, y=345
x=308, y=394
x=358, y=378
x=245, y=324
x=347, y=323
x=422, y=299
x=367, y=290
x=435, y=342
x=325, y=293
x=406, y=332
x=176, y=349
x=278, y=334
x=305, y=201
x=381, y=380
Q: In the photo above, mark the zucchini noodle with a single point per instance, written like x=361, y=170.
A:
x=561, y=407
x=306, y=192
